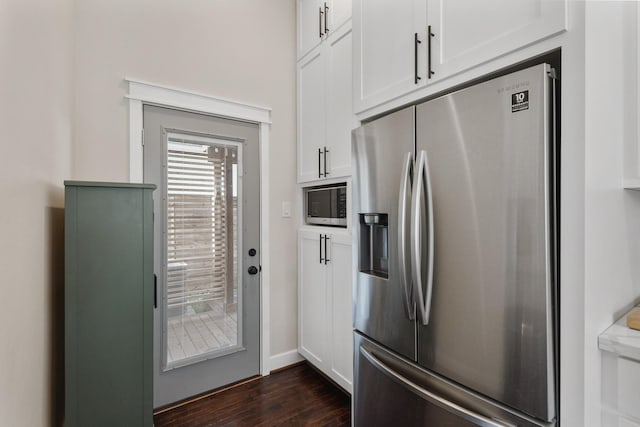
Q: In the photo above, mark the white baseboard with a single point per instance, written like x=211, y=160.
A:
x=281, y=360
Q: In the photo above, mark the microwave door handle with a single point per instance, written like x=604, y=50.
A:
x=422, y=185
x=405, y=189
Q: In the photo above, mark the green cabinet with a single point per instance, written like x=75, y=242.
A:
x=109, y=302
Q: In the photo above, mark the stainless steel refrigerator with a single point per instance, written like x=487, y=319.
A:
x=455, y=304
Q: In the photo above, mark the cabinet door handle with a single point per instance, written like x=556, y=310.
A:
x=430, y=35
x=416, y=42
x=325, y=162
x=321, y=259
x=320, y=13
x=155, y=291
x=326, y=258
x=326, y=14
x=319, y=163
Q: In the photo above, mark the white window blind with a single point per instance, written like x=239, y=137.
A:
x=200, y=221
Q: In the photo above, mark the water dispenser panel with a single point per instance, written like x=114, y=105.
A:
x=374, y=244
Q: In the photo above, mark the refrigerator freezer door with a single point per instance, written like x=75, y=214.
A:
x=393, y=392
x=380, y=150
x=491, y=325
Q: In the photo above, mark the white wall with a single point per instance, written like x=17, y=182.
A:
x=612, y=215
x=241, y=50
x=36, y=57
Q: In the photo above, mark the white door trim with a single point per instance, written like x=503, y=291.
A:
x=142, y=92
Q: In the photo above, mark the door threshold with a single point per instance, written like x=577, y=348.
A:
x=203, y=395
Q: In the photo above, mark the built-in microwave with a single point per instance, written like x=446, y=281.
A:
x=326, y=205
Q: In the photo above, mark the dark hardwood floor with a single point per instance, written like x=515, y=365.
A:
x=295, y=396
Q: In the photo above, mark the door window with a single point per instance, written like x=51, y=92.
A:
x=201, y=244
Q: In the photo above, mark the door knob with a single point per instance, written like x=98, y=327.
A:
x=252, y=270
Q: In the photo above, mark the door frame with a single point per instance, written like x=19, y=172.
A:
x=148, y=93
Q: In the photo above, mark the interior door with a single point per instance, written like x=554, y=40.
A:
x=206, y=255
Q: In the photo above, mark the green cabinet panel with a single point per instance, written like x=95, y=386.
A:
x=109, y=298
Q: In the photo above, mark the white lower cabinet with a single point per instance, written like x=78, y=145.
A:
x=620, y=370
x=620, y=391
x=325, y=303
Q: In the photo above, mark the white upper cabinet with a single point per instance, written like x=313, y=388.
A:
x=310, y=25
x=339, y=101
x=325, y=110
x=339, y=13
x=311, y=115
x=468, y=33
x=401, y=47
x=317, y=19
x=388, y=49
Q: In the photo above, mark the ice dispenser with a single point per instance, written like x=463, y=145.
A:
x=374, y=244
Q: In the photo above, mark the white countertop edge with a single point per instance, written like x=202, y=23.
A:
x=621, y=340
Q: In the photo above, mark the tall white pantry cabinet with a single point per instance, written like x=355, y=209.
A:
x=325, y=121
x=325, y=109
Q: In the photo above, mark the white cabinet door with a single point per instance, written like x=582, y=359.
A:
x=325, y=303
x=384, y=49
x=340, y=119
x=310, y=25
x=339, y=13
x=468, y=33
x=325, y=109
x=311, y=115
x=341, y=310
x=312, y=298
x=317, y=20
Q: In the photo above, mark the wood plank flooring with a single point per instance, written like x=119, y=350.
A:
x=296, y=396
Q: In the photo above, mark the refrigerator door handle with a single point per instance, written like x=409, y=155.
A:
x=429, y=396
x=422, y=184
x=405, y=187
